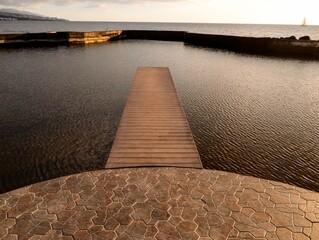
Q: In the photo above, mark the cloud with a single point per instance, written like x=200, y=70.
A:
x=97, y=3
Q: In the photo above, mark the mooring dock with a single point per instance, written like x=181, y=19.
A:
x=153, y=130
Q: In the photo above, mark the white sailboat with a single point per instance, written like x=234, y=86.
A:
x=304, y=22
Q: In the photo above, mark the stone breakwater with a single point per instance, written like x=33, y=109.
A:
x=264, y=46
x=285, y=47
x=159, y=203
x=55, y=38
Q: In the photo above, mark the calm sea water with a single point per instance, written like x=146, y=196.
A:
x=60, y=108
x=225, y=29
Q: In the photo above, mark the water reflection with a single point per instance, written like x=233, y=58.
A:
x=60, y=108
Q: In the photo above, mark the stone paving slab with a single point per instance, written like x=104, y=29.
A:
x=159, y=203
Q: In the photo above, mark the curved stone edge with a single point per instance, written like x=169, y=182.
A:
x=159, y=203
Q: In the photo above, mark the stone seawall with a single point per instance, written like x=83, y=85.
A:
x=233, y=43
x=264, y=46
x=91, y=37
x=33, y=39
x=177, y=36
x=55, y=38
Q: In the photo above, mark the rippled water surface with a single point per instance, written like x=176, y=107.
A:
x=60, y=107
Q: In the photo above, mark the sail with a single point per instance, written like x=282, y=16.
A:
x=304, y=22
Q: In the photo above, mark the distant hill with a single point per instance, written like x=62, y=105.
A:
x=13, y=14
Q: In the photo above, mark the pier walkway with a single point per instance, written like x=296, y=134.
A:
x=153, y=130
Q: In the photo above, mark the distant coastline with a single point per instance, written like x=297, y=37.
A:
x=16, y=15
x=31, y=19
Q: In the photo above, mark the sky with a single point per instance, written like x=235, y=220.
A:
x=202, y=11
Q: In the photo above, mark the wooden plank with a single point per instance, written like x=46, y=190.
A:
x=153, y=130
x=175, y=141
x=153, y=150
x=175, y=146
x=116, y=154
x=159, y=160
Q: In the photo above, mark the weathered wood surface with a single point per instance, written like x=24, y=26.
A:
x=153, y=130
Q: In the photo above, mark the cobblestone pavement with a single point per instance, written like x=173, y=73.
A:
x=159, y=203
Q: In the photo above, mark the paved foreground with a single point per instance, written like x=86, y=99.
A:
x=159, y=203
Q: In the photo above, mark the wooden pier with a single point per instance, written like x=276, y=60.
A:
x=153, y=130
